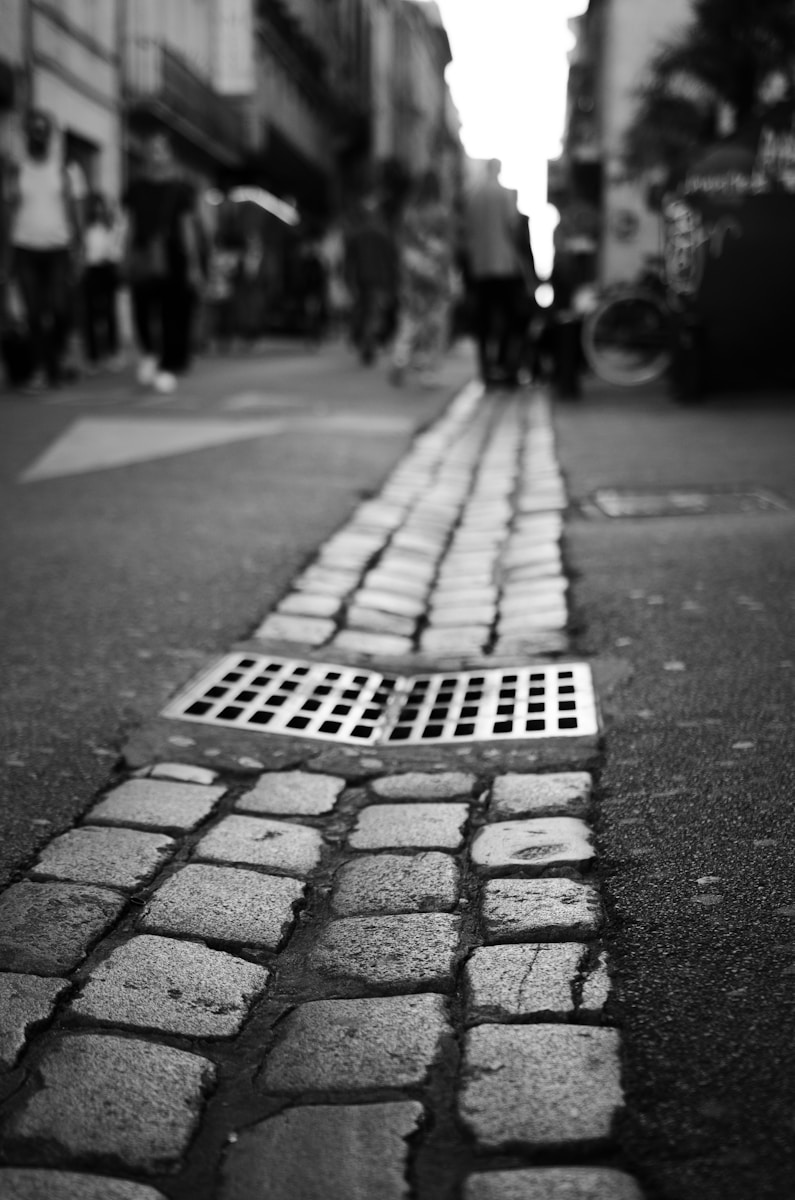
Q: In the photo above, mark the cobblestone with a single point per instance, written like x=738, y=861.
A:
x=171, y=986
x=358, y=1152
x=419, y=785
x=48, y=928
x=519, y=910
x=424, y=826
x=183, y=773
x=355, y=1046
x=374, y=620
x=33, y=1183
x=224, y=904
x=553, y=1183
x=119, y=858
x=406, y=953
x=540, y=1086
x=108, y=1098
x=292, y=793
x=310, y=604
x=395, y=883
x=25, y=1002
x=567, y=793
x=532, y=847
x=309, y=631
x=396, y=603
x=167, y=807
x=506, y=983
x=374, y=644
x=260, y=842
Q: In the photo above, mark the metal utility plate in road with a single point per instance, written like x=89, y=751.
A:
x=682, y=502
x=356, y=706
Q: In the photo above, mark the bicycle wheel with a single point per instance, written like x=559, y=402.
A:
x=627, y=339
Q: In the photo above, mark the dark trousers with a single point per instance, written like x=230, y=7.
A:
x=500, y=304
x=100, y=325
x=44, y=278
x=162, y=314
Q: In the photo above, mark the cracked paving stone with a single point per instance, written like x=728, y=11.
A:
x=355, y=1046
x=35, y=1183
x=532, y=846
x=48, y=928
x=374, y=620
x=394, y=603
x=225, y=904
x=395, y=883
x=292, y=793
x=26, y=1001
x=171, y=986
x=553, y=1183
x=563, y=794
x=535, y=1087
x=261, y=842
x=432, y=826
x=408, y=952
x=167, y=807
x=421, y=785
x=358, y=1152
x=505, y=983
x=526, y=910
x=311, y=631
x=119, y=858
x=103, y=1098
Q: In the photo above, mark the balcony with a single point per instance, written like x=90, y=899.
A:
x=160, y=84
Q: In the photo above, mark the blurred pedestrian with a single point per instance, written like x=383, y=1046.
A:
x=371, y=275
x=163, y=265
x=100, y=283
x=425, y=272
x=44, y=246
x=497, y=269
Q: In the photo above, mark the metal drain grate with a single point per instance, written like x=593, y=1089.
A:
x=360, y=707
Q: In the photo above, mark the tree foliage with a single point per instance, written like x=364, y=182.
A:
x=735, y=55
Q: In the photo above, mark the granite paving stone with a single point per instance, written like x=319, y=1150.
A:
x=311, y=631
x=550, y=910
x=553, y=1183
x=595, y=990
x=432, y=826
x=374, y=620
x=48, y=928
x=443, y=615
x=310, y=604
x=171, y=986
x=507, y=983
x=154, y=804
x=26, y=1001
x=542, y=641
x=103, y=1098
x=395, y=603
x=423, y=785
x=292, y=793
x=565, y=794
x=538, y=1087
x=358, y=1152
x=355, y=1046
x=183, y=772
x=454, y=640
x=374, y=644
x=225, y=904
x=120, y=858
x=261, y=842
x=395, y=883
x=36, y=1183
x=327, y=580
x=532, y=846
x=406, y=953
x=383, y=582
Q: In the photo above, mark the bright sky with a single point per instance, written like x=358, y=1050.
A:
x=508, y=80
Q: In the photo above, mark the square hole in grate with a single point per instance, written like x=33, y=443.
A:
x=336, y=703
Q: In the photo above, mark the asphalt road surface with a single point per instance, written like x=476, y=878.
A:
x=695, y=615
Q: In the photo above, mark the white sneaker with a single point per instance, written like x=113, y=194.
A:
x=165, y=382
x=147, y=370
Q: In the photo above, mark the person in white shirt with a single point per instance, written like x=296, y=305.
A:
x=44, y=231
x=101, y=254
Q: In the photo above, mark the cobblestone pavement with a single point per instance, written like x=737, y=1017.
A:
x=266, y=966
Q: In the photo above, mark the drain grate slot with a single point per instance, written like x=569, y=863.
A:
x=361, y=707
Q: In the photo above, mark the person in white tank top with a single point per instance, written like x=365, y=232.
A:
x=43, y=237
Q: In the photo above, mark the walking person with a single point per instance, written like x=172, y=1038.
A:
x=44, y=246
x=163, y=265
x=426, y=264
x=498, y=262
x=371, y=275
x=101, y=253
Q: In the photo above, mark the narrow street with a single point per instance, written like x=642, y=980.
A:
x=224, y=943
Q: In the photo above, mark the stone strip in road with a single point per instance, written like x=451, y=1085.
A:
x=459, y=555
